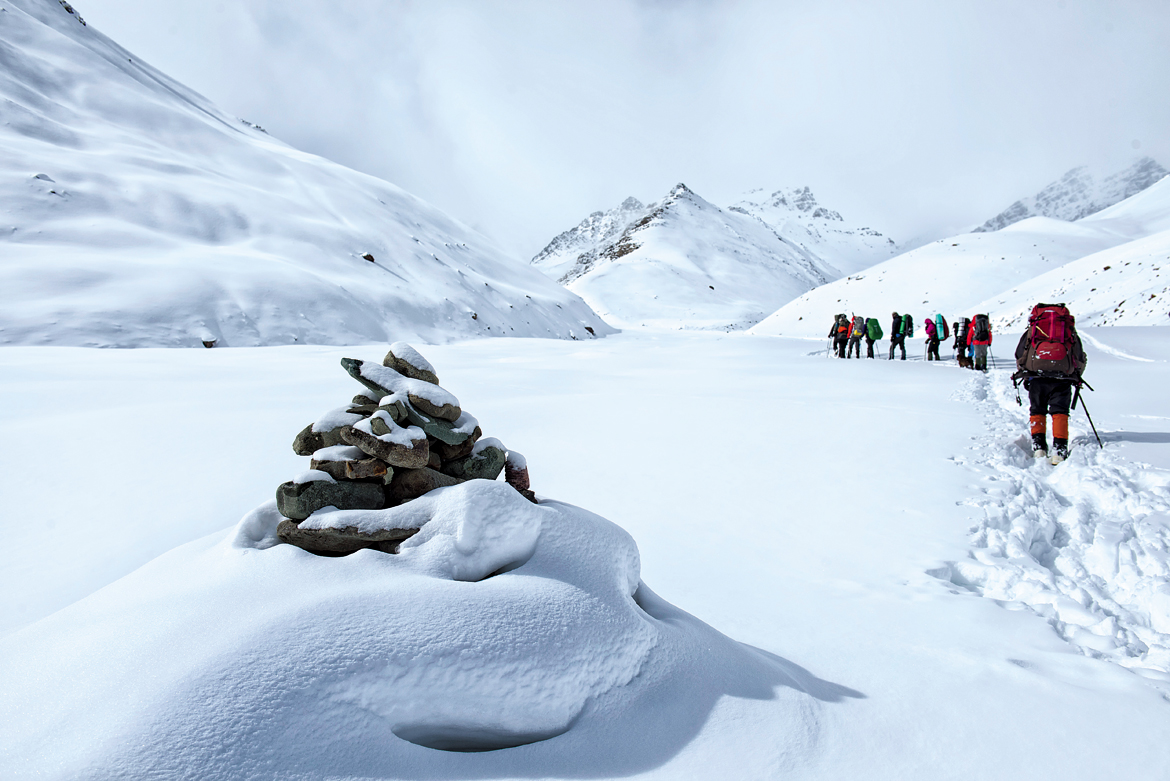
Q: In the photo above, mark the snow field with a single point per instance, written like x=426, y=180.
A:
x=789, y=502
x=1085, y=544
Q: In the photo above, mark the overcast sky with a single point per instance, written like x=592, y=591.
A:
x=520, y=118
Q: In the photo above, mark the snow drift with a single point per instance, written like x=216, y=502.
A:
x=502, y=624
x=137, y=214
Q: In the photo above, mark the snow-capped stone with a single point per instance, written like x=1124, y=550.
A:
x=397, y=446
x=429, y=399
x=1079, y=193
x=405, y=360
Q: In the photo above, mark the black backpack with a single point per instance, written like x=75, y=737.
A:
x=982, y=328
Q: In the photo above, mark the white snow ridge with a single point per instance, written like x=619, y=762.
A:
x=139, y=214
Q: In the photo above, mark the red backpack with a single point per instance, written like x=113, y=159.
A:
x=1052, y=338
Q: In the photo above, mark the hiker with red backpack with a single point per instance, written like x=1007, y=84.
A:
x=856, y=332
x=979, y=337
x=1050, y=359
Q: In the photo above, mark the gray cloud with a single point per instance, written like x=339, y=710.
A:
x=520, y=118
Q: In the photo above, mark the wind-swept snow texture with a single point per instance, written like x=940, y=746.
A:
x=136, y=213
x=685, y=263
x=1085, y=544
x=1078, y=194
x=282, y=664
x=1005, y=272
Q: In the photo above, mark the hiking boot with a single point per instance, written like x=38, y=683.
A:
x=1039, y=446
x=1061, y=448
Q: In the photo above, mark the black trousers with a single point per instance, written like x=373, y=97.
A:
x=854, y=345
x=840, y=346
x=898, y=340
x=932, y=350
x=868, y=347
x=1048, y=396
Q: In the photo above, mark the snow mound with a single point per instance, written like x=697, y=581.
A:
x=502, y=624
x=139, y=214
x=1085, y=544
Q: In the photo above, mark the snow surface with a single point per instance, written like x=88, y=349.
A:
x=826, y=537
x=313, y=476
x=406, y=436
x=137, y=213
x=339, y=453
x=1005, y=272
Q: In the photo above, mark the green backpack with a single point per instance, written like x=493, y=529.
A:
x=907, y=326
x=874, y=330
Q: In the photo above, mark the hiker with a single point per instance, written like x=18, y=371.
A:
x=979, y=337
x=933, y=338
x=873, y=332
x=856, y=331
x=1050, y=359
x=839, y=333
x=962, y=351
x=898, y=334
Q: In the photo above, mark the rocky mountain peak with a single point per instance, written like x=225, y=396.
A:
x=1078, y=193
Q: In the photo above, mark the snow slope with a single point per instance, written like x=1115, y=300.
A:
x=1124, y=285
x=685, y=263
x=136, y=213
x=874, y=660
x=1078, y=194
x=1005, y=272
x=587, y=238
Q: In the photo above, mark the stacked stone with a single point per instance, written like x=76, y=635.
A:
x=403, y=437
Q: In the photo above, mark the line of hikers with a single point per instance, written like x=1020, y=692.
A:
x=972, y=337
x=1050, y=361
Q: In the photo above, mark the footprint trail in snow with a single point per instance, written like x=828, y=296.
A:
x=1085, y=544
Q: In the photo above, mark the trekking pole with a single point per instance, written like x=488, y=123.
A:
x=1016, y=385
x=1077, y=398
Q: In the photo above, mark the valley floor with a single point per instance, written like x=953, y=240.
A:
x=969, y=613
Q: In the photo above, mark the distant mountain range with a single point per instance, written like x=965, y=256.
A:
x=684, y=262
x=1078, y=194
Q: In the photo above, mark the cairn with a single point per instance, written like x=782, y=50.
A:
x=400, y=439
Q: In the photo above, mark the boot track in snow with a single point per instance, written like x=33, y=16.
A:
x=1085, y=544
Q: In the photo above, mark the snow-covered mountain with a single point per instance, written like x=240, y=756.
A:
x=1079, y=193
x=1128, y=284
x=683, y=262
x=1005, y=272
x=137, y=213
x=796, y=215
x=686, y=263
x=592, y=233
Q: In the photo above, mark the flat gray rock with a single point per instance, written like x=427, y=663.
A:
x=354, y=469
x=300, y=500
x=341, y=541
x=396, y=454
x=412, y=483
